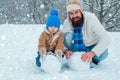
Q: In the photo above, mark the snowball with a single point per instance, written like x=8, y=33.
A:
x=2, y=45
x=76, y=63
x=28, y=15
x=51, y=64
x=110, y=15
x=3, y=37
x=42, y=6
x=46, y=15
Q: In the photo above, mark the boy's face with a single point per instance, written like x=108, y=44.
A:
x=52, y=29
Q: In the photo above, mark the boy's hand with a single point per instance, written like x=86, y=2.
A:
x=59, y=54
x=42, y=52
x=68, y=53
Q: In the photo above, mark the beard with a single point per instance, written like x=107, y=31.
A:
x=78, y=22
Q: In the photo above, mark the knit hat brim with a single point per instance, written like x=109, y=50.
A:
x=73, y=7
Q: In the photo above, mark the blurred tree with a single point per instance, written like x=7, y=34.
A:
x=37, y=11
x=108, y=12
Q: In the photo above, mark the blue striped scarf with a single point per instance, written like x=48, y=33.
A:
x=78, y=39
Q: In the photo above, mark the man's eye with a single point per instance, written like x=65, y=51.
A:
x=71, y=13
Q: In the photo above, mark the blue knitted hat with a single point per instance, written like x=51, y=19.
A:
x=53, y=19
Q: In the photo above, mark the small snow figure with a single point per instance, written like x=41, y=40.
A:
x=51, y=64
x=50, y=42
x=77, y=64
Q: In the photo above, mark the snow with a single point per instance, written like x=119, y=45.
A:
x=42, y=6
x=77, y=64
x=51, y=64
x=1, y=14
x=46, y=15
x=28, y=15
x=18, y=49
x=110, y=15
x=3, y=37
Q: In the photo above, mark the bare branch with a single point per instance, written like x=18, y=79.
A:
x=108, y=9
x=85, y=1
x=117, y=25
x=113, y=15
x=97, y=3
x=97, y=9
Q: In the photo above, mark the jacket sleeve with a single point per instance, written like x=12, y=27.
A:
x=67, y=27
x=42, y=41
x=104, y=38
x=60, y=42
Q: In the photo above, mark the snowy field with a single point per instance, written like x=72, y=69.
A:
x=18, y=47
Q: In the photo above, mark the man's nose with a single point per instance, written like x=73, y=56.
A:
x=74, y=15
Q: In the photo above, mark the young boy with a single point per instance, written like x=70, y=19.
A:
x=51, y=39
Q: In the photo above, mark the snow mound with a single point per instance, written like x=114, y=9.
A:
x=77, y=64
x=51, y=64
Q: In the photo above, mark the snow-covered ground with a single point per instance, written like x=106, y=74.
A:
x=18, y=47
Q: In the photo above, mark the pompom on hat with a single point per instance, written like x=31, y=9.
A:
x=53, y=19
x=74, y=5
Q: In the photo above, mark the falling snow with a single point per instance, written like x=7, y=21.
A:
x=110, y=15
x=42, y=6
x=18, y=49
x=46, y=15
x=3, y=37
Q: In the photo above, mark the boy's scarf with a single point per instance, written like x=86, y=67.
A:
x=78, y=39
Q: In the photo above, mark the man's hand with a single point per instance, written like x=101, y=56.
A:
x=86, y=57
x=68, y=54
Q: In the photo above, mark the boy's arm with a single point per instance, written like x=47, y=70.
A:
x=42, y=43
x=60, y=42
x=60, y=45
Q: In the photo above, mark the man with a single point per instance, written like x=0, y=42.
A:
x=83, y=32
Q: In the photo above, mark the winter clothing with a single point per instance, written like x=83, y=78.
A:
x=38, y=63
x=43, y=52
x=51, y=42
x=97, y=59
x=53, y=19
x=74, y=5
x=68, y=42
x=93, y=32
x=93, y=35
x=78, y=39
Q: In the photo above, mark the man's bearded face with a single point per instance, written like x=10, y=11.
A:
x=76, y=17
x=76, y=21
